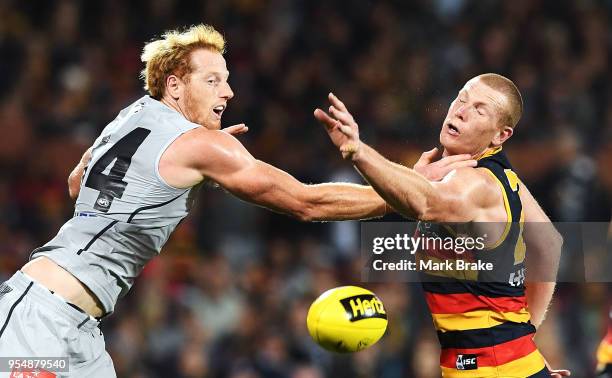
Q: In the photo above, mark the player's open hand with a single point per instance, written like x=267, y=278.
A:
x=238, y=129
x=436, y=170
x=341, y=127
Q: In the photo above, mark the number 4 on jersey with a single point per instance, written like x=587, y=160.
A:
x=111, y=185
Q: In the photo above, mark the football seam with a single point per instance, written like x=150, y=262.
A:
x=318, y=340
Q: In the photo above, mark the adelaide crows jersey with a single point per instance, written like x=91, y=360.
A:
x=482, y=322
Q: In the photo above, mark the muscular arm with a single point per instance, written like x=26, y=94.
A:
x=459, y=197
x=405, y=190
x=542, y=259
x=74, y=179
x=220, y=157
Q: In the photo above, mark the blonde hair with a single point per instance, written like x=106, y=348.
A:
x=513, y=112
x=170, y=55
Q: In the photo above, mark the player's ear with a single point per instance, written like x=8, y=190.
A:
x=174, y=86
x=502, y=135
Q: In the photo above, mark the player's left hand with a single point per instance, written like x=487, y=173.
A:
x=86, y=158
x=436, y=170
x=238, y=129
x=341, y=127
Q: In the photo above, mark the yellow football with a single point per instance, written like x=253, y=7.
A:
x=346, y=319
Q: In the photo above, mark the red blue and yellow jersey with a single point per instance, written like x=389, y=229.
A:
x=483, y=325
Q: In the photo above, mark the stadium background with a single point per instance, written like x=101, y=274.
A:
x=229, y=294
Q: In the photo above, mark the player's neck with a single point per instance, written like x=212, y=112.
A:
x=476, y=155
x=172, y=104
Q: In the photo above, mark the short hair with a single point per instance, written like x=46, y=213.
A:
x=513, y=112
x=170, y=55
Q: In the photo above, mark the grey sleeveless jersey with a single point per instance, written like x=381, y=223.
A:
x=125, y=212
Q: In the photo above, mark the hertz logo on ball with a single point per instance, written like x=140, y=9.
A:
x=363, y=306
x=346, y=319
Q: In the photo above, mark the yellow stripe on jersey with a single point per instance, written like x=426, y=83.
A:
x=513, y=179
x=508, y=212
x=489, y=152
x=477, y=319
x=520, y=368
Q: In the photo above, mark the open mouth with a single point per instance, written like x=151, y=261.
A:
x=218, y=110
x=452, y=129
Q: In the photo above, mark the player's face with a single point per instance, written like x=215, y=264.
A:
x=472, y=123
x=206, y=92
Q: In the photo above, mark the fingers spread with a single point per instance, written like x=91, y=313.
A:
x=325, y=119
x=336, y=102
x=341, y=116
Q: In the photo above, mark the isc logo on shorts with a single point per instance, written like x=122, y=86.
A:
x=467, y=362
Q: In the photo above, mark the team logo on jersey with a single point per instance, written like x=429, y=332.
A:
x=104, y=202
x=104, y=140
x=466, y=362
x=138, y=107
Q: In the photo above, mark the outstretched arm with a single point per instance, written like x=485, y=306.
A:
x=215, y=155
x=265, y=185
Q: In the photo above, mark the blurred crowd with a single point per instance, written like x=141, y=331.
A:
x=228, y=296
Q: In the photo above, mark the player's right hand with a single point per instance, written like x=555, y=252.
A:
x=437, y=170
x=341, y=127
